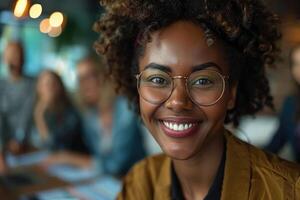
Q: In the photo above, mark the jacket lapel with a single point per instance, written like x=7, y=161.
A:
x=163, y=185
x=236, y=183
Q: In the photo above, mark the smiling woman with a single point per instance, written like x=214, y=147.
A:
x=198, y=65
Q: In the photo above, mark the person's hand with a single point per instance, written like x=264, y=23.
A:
x=68, y=158
x=61, y=157
x=14, y=147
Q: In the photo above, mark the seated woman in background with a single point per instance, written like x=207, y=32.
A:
x=289, y=120
x=193, y=66
x=57, y=123
x=113, y=132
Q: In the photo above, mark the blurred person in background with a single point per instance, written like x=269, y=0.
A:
x=57, y=122
x=112, y=131
x=289, y=119
x=16, y=101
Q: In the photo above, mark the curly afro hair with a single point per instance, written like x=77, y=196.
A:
x=247, y=28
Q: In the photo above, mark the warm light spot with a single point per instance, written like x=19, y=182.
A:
x=56, y=19
x=45, y=26
x=55, y=31
x=20, y=8
x=35, y=11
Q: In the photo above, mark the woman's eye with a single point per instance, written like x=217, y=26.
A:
x=158, y=80
x=203, y=82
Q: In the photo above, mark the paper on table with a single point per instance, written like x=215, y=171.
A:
x=57, y=194
x=104, y=188
x=26, y=159
x=71, y=173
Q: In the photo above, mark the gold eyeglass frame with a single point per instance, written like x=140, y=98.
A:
x=224, y=80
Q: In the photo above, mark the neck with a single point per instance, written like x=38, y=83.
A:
x=197, y=174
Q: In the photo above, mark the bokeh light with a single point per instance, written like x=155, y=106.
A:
x=45, y=26
x=20, y=8
x=55, y=31
x=35, y=11
x=56, y=19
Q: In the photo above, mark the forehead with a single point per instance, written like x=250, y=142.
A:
x=180, y=46
x=86, y=67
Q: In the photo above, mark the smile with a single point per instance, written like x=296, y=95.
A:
x=178, y=126
x=179, y=129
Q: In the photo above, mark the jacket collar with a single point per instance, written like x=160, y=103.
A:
x=236, y=181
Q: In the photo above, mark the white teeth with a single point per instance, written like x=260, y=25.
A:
x=186, y=126
x=175, y=127
x=178, y=127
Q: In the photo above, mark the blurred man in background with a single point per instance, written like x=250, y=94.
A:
x=289, y=118
x=16, y=100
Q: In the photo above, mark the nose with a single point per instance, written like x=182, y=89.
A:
x=179, y=100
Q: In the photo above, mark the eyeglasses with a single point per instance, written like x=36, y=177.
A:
x=204, y=87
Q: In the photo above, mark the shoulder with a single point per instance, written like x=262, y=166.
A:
x=290, y=99
x=123, y=105
x=289, y=103
x=125, y=110
x=267, y=174
x=142, y=179
x=270, y=167
x=271, y=173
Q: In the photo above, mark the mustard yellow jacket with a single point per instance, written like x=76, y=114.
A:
x=249, y=174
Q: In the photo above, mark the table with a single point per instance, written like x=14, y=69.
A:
x=55, y=180
x=43, y=181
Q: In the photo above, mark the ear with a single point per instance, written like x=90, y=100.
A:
x=232, y=95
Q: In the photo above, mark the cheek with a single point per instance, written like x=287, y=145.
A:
x=217, y=113
x=147, y=112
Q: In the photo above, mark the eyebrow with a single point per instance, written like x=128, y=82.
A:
x=194, y=68
x=206, y=65
x=159, y=67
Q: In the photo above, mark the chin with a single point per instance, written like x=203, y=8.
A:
x=179, y=154
x=184, y=146
x=181, y=148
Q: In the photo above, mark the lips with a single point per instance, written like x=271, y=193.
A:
x=179, y=128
